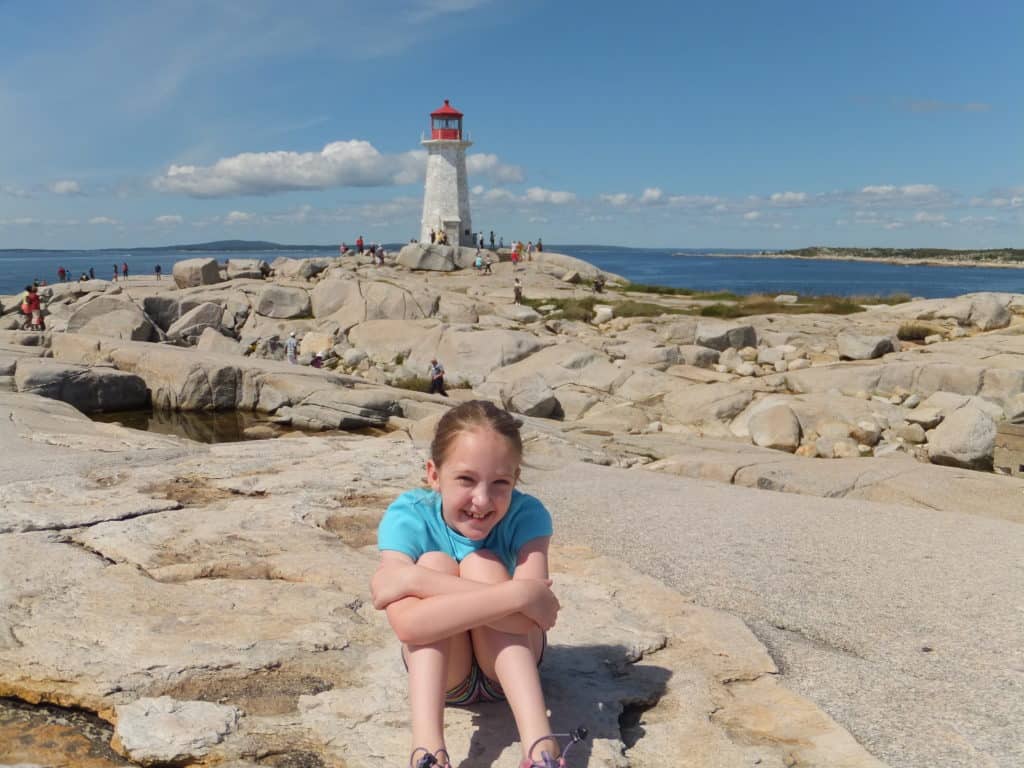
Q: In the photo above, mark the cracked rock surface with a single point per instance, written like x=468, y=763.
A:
x=234, y=625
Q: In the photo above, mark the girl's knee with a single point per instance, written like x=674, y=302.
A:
x=439, y=561
x=484, y=565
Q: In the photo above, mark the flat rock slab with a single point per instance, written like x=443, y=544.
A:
x=154, y=731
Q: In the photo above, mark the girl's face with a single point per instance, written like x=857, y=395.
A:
x=475, y=481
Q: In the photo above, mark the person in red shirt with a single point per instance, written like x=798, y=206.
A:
x=359, y=244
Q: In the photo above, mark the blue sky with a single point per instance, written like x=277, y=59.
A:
x=675, y=124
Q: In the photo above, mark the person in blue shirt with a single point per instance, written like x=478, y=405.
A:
x=464, y=579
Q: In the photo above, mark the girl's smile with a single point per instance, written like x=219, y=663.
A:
x=475, y=481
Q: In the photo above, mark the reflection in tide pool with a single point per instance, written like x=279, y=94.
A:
x=199, y=426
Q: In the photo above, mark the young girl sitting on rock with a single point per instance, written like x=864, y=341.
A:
x=464, y=579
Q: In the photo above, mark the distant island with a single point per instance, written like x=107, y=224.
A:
x=988, y=257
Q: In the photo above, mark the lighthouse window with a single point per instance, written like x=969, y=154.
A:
x=446, y=123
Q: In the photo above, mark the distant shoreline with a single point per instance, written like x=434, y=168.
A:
x=909, y=261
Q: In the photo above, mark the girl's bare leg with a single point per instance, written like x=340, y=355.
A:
x=511, y=660
x=433, y=669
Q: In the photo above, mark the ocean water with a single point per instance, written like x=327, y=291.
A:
x=674, y=267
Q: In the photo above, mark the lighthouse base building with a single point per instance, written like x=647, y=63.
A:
x=446, y=193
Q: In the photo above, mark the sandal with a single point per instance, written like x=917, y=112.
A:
x=429, y=759
x=546, y=760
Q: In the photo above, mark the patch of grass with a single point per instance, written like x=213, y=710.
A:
x=414, y=383
x=725, y=311
x=916, y=331
x=892, y=298
x=568, y=309
x=630, y=308
x=659, y=289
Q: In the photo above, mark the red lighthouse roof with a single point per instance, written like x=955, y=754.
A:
x=446, y=110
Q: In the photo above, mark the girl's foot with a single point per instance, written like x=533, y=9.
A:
x=541, y=757
x=421, y=758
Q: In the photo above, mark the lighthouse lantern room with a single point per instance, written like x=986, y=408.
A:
x=446, y=123
x=446, y=192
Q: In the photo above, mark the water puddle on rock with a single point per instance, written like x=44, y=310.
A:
x=56, y=737
x=212, y=427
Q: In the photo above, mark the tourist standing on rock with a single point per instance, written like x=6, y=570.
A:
x=517, y=291
x=92, y=274
x=158, y=270
x=492, y=239
x=359, y=244
x=437, y=378
x=116, y=273
x=540, y=246
x=124, y=270
x=33, y=309
x=291, y=349
x=61, y=273
x=529, y=251
x=318, y=360
x=464, y=579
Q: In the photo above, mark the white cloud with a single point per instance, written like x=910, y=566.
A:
x=238, y=217
x=103, y=220
x=752, y=215
x=66, y=187
x=352, y=163
x=168, y=219
x=650, y=196
x=894, y=225
x=788, y=198
x=24, y=221
x=923, y=217
x=908, y=194
x=498, y=195
x=13, y=191
x=697, y=201
x=619, y=199
x=493, y=168
x=555, y=197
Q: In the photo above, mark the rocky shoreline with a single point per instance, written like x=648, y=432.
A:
x=210, y=601
x=910, y=262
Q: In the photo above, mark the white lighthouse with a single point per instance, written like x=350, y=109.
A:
x=446, y=194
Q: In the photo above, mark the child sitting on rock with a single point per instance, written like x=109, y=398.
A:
x=464, y=580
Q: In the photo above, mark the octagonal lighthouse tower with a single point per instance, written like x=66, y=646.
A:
x=446, y=194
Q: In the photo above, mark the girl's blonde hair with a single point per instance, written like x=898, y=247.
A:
x=473, y=414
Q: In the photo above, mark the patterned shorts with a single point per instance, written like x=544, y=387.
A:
x=478, y=688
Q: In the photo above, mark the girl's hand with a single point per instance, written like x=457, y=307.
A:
x=391, y=582
x=540, y=604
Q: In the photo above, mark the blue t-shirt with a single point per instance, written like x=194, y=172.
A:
x=413, y=524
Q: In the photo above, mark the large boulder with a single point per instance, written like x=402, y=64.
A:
x=426, y=256
x=192, y=272
x=89, y=389
x=300, y=269
x=212, y=340
x=247, y=268
x=282, y=303
x=776, y=427
x=166, y=310
x=332, y=293
x=111, y=316
x=989, y=313
x=720, y=335
x=965, y=438
x=196, y=320
x=853, y=346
